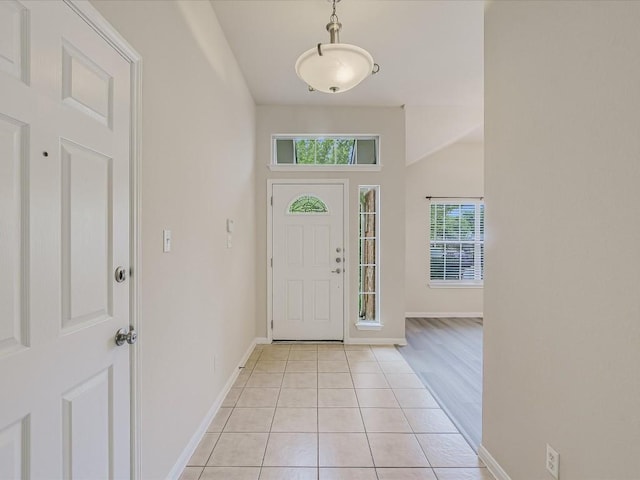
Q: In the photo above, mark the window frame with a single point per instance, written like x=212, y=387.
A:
x=293, y=167
x=362, y=324
x=478, y=243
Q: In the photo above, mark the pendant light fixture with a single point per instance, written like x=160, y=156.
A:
x=335, y=67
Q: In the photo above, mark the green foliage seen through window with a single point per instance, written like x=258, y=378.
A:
x=308, y=204
x=329, y=151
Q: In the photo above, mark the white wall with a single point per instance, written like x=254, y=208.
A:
x=197, y=170
x=435, y=127
x=562, y=176
x=389, y=124
x=457, y=171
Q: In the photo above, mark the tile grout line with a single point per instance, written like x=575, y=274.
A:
x=409, y=423
x=364, y=427
x=225, y=422
x=222, y=428
x=405, y=417
x=264, y=454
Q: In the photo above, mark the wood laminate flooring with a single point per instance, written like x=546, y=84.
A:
x=446, y=353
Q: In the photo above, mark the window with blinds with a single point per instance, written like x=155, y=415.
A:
x=456, y=243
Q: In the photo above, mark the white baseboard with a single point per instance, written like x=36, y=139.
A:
x=177, y=469
x=357, y=341
x=376, y=341
x=492, y=465
x=443, y=314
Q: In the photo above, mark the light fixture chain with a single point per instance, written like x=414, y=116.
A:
x=334, y=17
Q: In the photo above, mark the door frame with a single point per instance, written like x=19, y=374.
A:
x=85, y=10
x=346, y=291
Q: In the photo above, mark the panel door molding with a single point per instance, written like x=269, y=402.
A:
x=65, y=163
x=307, y=274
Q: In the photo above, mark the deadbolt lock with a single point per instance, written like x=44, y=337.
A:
x=120, y=274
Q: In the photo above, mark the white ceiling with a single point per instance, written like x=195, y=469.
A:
x=430, y=54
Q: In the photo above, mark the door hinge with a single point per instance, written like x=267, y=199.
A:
x=271, y=262
x=271, y=324
x=272, y=201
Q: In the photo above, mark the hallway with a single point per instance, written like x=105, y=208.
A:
x=331, y=412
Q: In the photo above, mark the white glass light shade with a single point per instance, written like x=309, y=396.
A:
x=340, y=67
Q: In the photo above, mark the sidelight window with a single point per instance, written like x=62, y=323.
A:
x=369, y=260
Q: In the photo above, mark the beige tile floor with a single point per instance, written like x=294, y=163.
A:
x=331, y=412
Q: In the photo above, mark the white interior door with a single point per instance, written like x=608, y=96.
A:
x=64, y=228
x=308, y=261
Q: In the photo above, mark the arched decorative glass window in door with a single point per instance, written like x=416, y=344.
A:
x=306, y=204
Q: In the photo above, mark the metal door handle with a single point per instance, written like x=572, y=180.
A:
x=123, y=336
x=337, y=270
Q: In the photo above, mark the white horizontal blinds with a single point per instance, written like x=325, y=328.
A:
x=480, y=241
x=457, y=241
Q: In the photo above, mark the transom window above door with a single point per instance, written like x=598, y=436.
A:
x=325, y=152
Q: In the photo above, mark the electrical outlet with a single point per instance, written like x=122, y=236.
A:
x=553, y=461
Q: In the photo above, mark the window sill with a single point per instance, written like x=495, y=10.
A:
x=369, y=326
x=452, y=284
x=325, y=168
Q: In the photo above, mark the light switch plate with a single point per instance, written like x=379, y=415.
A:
x=166, y=241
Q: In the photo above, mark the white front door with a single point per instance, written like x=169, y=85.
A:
x=308, y=261
x=64, y=228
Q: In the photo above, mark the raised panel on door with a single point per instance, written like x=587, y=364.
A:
x=321, y=245
x=294, y=301
x=85, y=85
x=14, y=450
x=86, y=236
x=13, y=225
x=14, y=39
x=87, y=426
x=321, y=302
x=294, y=246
